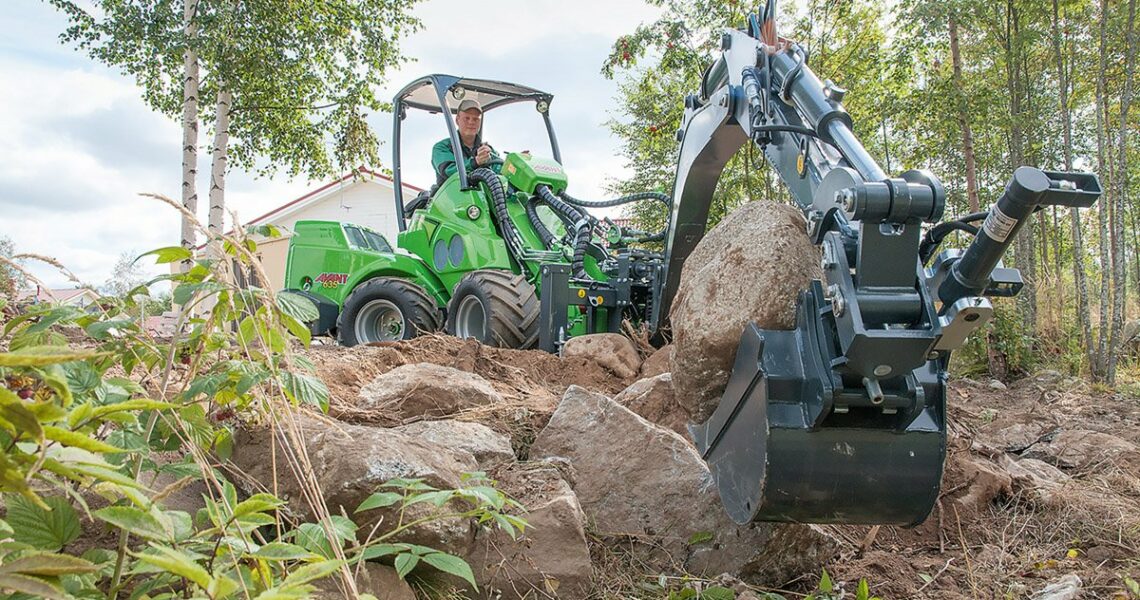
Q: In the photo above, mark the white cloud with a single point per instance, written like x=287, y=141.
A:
x=80, y=144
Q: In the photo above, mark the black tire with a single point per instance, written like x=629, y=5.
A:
x=498, y=308
x=386, y=309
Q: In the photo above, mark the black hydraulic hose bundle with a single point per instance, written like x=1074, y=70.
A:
x=536, y=222
x=582, y=226
x=638, y=197
x=499, y=204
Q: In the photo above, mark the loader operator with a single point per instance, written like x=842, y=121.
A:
x=476, y=153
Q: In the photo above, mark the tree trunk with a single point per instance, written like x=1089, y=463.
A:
x=219, y=163
x=1119, y=258
x=1079, y=279
x=1100, y=364
x=189, y=128
x=963, y=118
x=1024, y=245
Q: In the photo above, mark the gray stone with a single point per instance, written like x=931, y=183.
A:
x=1077, y=448
x=349, y=463
x=372, y=578
x=488, y=448
x=986, y=481
x=650, y=484
x=997, y=385
x=426, y=390
x=653, y=399
x=612, y=351
x=749, y=268
x=1068, y=587
x=551, y=558
x=659, y=362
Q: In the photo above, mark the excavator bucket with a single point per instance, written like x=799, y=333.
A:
x=785, y=445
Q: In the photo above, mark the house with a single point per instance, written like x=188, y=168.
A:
x=77, y=297
x=363, y=196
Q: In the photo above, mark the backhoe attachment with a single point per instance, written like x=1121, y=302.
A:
x=843, y=419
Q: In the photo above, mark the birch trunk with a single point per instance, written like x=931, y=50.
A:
x=1099, y=366
x=1119, y=284
x=1024, y=245
x=219, y=162
x=1079, y=279
x=189, y=128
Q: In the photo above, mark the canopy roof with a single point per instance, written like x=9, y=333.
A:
x=422, y=93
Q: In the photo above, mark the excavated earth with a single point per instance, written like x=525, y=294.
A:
x=1040, y=495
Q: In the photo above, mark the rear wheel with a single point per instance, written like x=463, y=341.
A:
x=386, y=309
x=498, y=308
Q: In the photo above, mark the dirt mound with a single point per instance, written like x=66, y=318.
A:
x=531, y=382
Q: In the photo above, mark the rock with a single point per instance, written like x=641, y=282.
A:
x=349, y=463
x=488, y=448
x=426, y=390
x=374, y=578
x=654, y=400
x=181, y=495
x=636, y=479
x=551, y=558
x=1068, y=587
x=997, y=385
x=1046, y=379
x=1014, y=433
x=1033, y=475
x=612, y=351
x=986, y=482
x=749, y=268
x=1074, y=448
x=659, y=362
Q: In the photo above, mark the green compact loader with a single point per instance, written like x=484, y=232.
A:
x=501, y=253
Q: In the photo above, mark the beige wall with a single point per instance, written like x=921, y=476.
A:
x=273, y=254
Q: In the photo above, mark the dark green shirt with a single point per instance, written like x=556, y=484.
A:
x=443, y=159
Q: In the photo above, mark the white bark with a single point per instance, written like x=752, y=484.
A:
x=220, y=162
x=189, y=129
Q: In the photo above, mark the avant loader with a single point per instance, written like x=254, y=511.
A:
x=839, y=420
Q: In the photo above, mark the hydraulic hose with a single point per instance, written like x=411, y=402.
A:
x=936, y=234
x=499, y=205
x=638, y=197
x=582, y=226
x=532, y=215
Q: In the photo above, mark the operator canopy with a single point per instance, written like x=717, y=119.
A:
x=424, y=93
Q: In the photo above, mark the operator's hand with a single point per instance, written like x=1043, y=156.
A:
x=483, y=155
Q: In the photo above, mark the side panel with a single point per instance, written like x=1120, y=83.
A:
x=449, y=241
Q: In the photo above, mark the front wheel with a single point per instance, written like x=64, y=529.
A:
x=498, y=308
x=386, y=309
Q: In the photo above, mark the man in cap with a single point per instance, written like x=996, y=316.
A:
x=476, y=153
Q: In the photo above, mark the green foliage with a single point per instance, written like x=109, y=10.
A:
x=826, y=590
x=297, y=71
x=82, y=415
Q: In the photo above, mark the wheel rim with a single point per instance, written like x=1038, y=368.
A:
x=470, y=319
x=379, y=321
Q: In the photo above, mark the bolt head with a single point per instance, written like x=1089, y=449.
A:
x=882, y=370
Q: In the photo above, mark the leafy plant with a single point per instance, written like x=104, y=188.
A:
x=89, y=401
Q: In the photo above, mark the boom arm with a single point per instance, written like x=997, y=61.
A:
x=843, y=418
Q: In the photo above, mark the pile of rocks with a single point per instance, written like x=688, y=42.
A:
x=597, y=471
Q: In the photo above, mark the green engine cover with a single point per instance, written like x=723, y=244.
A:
x=526, y=172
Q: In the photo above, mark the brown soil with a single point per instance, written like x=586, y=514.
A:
x=1003, y=542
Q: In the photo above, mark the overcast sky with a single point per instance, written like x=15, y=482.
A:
x=79, y=144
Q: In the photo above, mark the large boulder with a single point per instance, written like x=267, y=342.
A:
x=549, y=559
x=488, y=448
x=659, y=362
x=638, y=480
x=426, y=390
x=612, y=351
x=653, y=399
x=985, y=482
x=749, y=268
x=349, y=462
